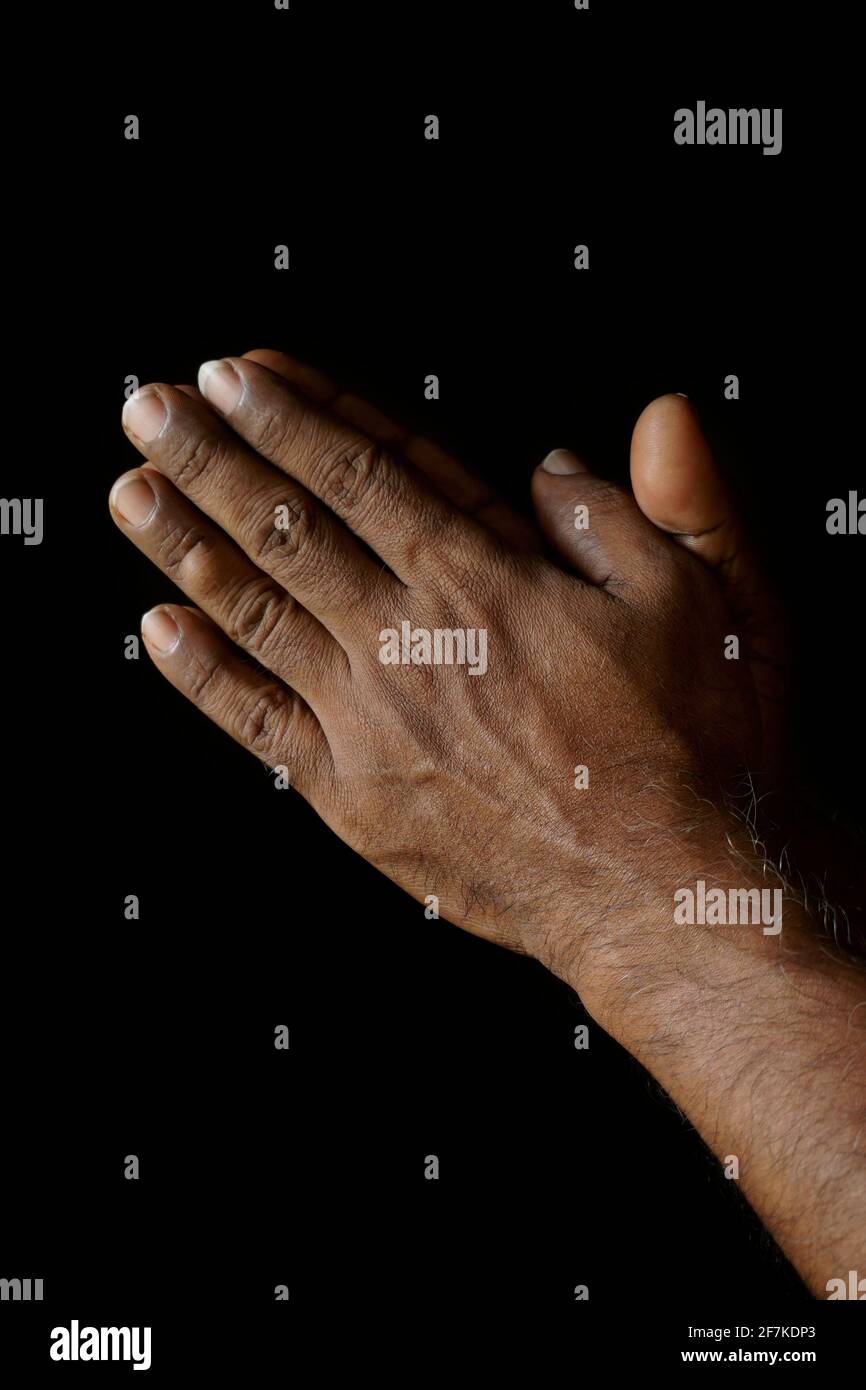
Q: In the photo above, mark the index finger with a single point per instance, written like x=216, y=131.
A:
x=392, y=506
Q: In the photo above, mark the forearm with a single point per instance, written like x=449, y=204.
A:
x=761, y=1041
x=827, y=860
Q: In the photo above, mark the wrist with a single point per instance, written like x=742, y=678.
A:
x=698, y=911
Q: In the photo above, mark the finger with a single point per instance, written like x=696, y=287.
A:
x=261, y=714
x=449, y=476
x=391, y=506
x=278, y=524
x=594, y=524
x=252, y=610
x=678, y=486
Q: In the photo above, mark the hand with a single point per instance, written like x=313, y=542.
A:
x=303, y=542
x=676, y=484
x=679, y=488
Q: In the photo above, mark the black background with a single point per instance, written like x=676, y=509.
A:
x=155, y=1037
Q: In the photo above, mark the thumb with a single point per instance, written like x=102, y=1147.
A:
x=678, y=486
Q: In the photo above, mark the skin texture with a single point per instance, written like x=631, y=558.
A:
x=380, y=751
x=616, y=662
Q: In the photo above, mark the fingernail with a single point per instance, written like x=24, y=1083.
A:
x=144, y=415
x=134, y=498
x=562, y=461
x=683, y=394
x=221, y=384
x=160, y=630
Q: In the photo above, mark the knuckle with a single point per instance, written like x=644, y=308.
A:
x=421, y=544
x=287, y=533
x=265, y=723
x=255, y=616
x=177, y=546
x=192, y=459
x=467, y=581
x=203, y=679
x=351, y=475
